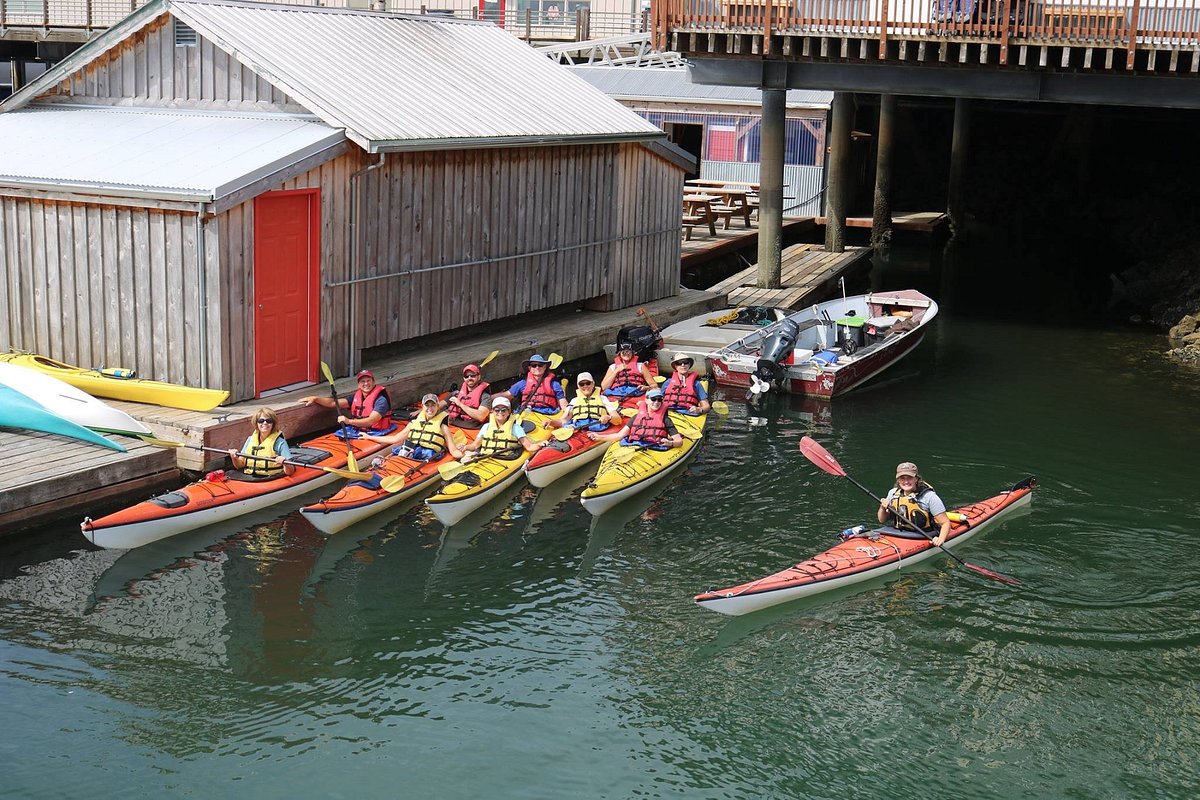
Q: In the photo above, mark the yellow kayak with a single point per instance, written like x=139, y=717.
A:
x=121, y=384
x=627, y=470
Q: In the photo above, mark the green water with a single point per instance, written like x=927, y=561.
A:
x=532, y=653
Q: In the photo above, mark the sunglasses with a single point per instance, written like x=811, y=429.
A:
x=470, y=374
x=505, y=409
x=653, y=399
x=587, y=383
x=265, y=421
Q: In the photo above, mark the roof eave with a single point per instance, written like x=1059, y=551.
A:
x=462, y=143
x=180, y=194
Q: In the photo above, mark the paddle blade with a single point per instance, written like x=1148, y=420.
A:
x=721, y=407
x=562, y=434
x=392, y=483
x=987, y=573
x=349, y=474
x=351, y=461
x=450, y=470
x=820, y=456
x=660, y=379
x=489, y=358
x=458, y=436
x=629, y=413
x=160, y=442
x=555, y=360
x=624, y=454
x=327, y=373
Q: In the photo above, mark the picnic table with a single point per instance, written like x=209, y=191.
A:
x=698, y=210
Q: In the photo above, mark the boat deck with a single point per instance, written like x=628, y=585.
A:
x=47, y=476
x=806, y=271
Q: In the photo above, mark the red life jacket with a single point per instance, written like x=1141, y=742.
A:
x=460, y=418
x=539, y=396
x=628, y=374
x=681, y=396
x=361, y=407
x=649, y=426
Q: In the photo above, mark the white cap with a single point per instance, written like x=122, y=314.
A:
x=584, y=376
x=501, y=401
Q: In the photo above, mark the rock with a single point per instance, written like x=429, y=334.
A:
x=1191, y=339
x=1186, y=355
x=1185, y=326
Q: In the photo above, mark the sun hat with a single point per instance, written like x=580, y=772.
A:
x=472, y=368
x=584, y=376
x=681, y=357
x=534, y=359
x=627, y=345
x=654, y=393
x=365, y=373
x=906, y=468
x=429, y=398
x=501, y=401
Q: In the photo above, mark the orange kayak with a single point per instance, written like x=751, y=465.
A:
x=861, y=557
x=220, y=496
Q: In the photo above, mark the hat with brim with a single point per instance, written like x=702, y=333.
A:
x=584, y=376
x=365, y=373
x=654, y=393
x=429, y=398
x=682, y=357
x=534, y=359
x=907, y=468
x=501, y=402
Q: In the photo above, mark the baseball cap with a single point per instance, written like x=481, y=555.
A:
x=501, y=401
x=682, y=357
x=906, y=468
x=584, y=376
x=654, y=393
x=365, y=373
x=624, y=345
x=472, y=368
x=429, y=398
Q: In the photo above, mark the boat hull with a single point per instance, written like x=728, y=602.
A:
x=861, y=559
x=69, y=402
x=137, y=390
x=209, y=501
x=19, y=411
x=456, y=500
x=563, y=458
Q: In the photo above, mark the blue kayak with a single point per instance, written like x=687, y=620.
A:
x=18, y=411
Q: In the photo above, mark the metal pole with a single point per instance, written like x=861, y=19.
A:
x=770, y=188
x=839, y=163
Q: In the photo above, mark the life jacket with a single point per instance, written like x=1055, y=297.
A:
x=908, y=505
x=649, y=426
x=540, y=396
x=628, y=374
x=587, y=409
x=266, y=449
x=361, y=407
x=424, y=432
x=498, y=438
x=472, y=398
x=676, y=395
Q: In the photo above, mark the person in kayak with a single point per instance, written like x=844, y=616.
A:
x=266, y=442
x=588, y=409
x=500, y=434
x=470, y=406
x=539, y=390
x=370, y=409
x=626, y=376
x=683, y=391
x=914, y=499
x=650, y=428
x=426, y=438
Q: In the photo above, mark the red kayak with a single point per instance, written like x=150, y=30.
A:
x=867, y=555
x=557, y=458
x=220, y=496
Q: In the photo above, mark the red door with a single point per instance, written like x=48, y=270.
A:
x=286, y=266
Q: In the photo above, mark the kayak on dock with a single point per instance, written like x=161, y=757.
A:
x=69, y=402
x=19, y=411
x=862, y=556
x=627, y=470
x=121, y=384
x=396, y=479
x=223, y=495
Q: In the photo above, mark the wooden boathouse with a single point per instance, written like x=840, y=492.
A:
x=224, y=193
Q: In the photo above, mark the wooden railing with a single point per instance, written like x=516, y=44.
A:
x=1114, y=24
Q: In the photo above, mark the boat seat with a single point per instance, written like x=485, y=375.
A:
x=799, y=356
x=309, y=455
x=170, y=500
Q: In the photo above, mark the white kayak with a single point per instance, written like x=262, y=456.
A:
x=68, y=402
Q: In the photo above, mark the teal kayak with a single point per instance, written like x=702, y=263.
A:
x=18, y=411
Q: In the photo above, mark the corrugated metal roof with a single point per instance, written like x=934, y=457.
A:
x=674, y=85
x=162, y=153
x=413, y=82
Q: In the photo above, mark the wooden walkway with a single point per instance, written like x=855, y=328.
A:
x=44, y=477
x=914, y=221
x=806, y=270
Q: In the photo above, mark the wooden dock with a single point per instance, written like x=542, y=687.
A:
x=912, y=221
x=807, y=270
x=46, y=477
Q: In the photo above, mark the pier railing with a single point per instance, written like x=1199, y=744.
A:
x=1112, y=24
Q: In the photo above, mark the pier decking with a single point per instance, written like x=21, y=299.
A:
x=806, y=270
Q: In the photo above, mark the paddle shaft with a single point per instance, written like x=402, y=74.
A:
x=248, y=457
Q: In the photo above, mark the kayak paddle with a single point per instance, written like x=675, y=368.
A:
x=822, y=458
x=348, y=474
x=489, y=358
x=337, y=412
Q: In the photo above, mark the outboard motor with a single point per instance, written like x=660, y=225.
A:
x=775, y=349
x=645, y=340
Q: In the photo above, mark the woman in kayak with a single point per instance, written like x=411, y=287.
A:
x=268, y=444
x=426, y=438
x=683, y=391
x=915, y=500
x=650, y=427
x=588, y=409
x=626, y=376
x=501, y=433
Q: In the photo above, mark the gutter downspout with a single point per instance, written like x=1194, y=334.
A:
x=202, y=287
x=355, y=211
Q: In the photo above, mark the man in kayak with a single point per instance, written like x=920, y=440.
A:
x=588, y=409
x=650, y=427
x=500, y=434
x=470, y=406
x=426, y=438
x=266, y=442
x=539, y=390
x=683, y=391
x=914, y=500
x=626, y=376
x=370, y=410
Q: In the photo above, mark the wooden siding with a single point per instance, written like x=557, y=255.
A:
x=107, y=285
x=149, y=70
x=456, y=238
